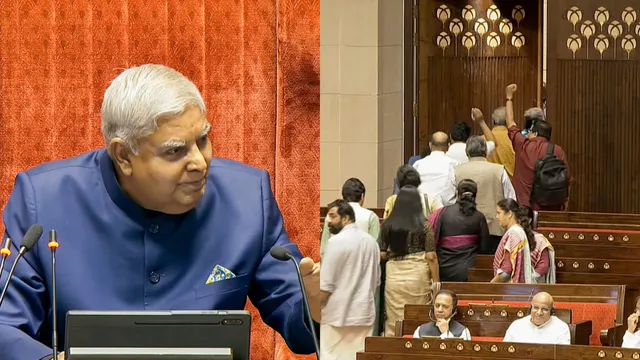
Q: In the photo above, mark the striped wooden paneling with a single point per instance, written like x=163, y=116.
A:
x=593, y=84
x=469, y=51
x=458, y=84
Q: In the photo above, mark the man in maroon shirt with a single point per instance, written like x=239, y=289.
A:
x=528, y=150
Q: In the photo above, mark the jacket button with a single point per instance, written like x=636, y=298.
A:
x=154, y=277
x=154, y=228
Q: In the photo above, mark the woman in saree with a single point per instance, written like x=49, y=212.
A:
x=522, y=256
x=406, y=241
x=460, y=232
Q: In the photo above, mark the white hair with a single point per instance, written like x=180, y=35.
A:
x=139, y=96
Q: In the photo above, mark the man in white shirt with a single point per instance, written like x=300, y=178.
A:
x=353, y=191
x=541, y=327
x=349, y=277
x=460, y=133
x=437, y=177
x=631, y=339
x=444, y=309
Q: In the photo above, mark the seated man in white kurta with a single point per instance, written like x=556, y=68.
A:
x=541, y=326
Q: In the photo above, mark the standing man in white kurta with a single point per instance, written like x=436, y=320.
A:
x=349, y=277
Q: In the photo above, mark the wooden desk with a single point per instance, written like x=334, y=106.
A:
x=381, y=348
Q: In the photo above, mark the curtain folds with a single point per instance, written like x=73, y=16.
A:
x=255, y=62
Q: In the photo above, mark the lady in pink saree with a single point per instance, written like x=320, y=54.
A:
x=523, y=256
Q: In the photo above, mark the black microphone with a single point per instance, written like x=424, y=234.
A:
x=5, y=252
x=284, y=254
x=530, y=296
x=28, y=242
x=53, y=246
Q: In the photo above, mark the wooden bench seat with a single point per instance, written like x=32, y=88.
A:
x=485, y=275
x=562, y=219
x=488, y=322
x=578, y=264
x=602, y=304
x=585, y=271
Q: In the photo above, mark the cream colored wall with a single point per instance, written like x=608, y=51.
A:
x=360, y=96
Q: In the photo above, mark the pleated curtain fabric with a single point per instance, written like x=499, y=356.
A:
x=255, y=62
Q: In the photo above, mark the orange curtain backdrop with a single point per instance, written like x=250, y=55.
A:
x=255, y=62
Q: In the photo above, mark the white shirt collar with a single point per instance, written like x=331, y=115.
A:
x=354, y=205
x=540, y=326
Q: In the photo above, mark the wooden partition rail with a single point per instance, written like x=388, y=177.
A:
x=391, y=348
x=548, y=220
x=570, y=293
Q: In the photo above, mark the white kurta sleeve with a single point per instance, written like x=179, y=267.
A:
x=564, y=338
x=509, y=336
x=631, y=340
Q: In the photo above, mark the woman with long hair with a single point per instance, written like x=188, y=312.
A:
x=543, y=256
x=513, y=261
x=460, y=232
x=406, y=241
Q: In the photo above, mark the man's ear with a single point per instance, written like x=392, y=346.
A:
x=121, y=156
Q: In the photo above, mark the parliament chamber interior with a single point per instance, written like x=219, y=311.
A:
x=575, y=61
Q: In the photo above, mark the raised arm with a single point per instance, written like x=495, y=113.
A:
x=510, y=91
x=478, y=118
x=517, y=139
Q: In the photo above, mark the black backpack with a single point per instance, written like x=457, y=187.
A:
x=550, y=184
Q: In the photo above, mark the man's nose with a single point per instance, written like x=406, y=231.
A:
x=197, y=161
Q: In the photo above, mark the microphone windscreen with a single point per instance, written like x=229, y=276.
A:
x=31, y=237
x=280, y=253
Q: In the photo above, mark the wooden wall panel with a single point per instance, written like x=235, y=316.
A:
x=469, y=51
x=593, y=87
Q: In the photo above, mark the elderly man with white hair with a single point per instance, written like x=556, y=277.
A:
x=151, y=222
